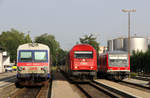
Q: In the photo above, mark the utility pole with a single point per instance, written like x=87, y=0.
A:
x=128, y=11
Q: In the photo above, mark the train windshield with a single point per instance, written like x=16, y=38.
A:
x=33, y=56
x=25, y=56
x=83, y=54
x=40, y=56
x=118, y=61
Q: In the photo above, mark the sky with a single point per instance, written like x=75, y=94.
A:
x=68, y=20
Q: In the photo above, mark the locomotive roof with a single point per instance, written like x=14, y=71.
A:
x=82, y=47
x=29, y=46
x=111, y=52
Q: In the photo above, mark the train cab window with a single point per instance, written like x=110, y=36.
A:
x=118, y=61
x=83, y=54
x=25, y=56
x=40, y=56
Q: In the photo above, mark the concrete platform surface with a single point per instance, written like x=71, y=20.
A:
x=135, y=81
x=131, y=91
x=61, y=88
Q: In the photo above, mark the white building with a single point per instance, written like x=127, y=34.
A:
x=1, y=61
x=4, y=60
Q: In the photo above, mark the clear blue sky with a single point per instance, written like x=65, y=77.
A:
x=68, y=20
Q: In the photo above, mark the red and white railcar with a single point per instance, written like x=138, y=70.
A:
x=33, y=62
x=114, y=65
x=82, y=62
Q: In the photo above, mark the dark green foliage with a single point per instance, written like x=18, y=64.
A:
x=10, y=40
x=90, y=39
x=61, y=56
x=140, y=62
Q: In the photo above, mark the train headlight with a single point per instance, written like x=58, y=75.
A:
x=91, y=67
x=44, y=68
x=23, y=68
x=76, y=67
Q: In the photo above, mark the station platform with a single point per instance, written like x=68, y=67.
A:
x=136, y=81
x=131, y=91
x=61, y=88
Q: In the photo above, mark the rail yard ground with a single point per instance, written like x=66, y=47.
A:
x=8, y=88
x=62, y=87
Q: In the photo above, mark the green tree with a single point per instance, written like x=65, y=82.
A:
x=49, y=40
x=28, y=38
x=90, y=39
x=140, y=61
x=10, y=40
x=61, y=56
x=147, y=61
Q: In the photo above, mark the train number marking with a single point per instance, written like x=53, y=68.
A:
x=33, y=68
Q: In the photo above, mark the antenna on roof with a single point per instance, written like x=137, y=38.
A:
x=33, y=44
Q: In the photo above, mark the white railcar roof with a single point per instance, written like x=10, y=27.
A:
x=114, y=52
x=32, y=46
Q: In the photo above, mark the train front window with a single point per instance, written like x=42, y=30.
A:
x=118, y=61
x=25, y=56
x=40, y=56
x=83, y=54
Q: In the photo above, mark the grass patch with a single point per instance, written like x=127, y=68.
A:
x=53, y=68
x=133, y=74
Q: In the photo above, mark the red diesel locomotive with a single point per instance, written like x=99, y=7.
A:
x=114, y=65
x=82, y=62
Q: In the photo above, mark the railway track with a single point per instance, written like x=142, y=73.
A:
x=33, y=92
x=7, y=91
x=115, y=92
x=94, y=89
x=136, y=86
x=91, y=90
x=27, y=93
x=7, y=86
x=6, y=82
x=141, y=78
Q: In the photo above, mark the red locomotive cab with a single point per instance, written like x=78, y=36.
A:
x=83, y=60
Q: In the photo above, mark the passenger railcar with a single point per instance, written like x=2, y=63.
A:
x=114, y=65
x=82, y=62
x=33, y=63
